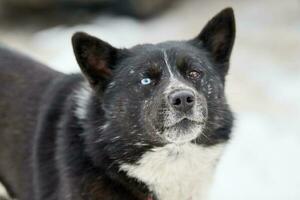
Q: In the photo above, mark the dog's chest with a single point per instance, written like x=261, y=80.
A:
x=177, y=172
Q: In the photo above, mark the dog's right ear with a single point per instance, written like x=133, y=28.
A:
x=95, y=57
x=218, y=37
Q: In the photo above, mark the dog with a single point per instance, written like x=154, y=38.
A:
x=144, y=123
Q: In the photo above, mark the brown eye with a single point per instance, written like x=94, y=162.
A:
x=194, y=74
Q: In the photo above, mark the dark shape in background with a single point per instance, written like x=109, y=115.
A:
x=54, y=12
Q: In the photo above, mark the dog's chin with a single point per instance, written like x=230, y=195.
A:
x=183, y=131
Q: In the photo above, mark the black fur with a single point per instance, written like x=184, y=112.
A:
x=78, y=157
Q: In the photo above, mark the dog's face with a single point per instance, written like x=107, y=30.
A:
x=171, y=92
x=161, y=92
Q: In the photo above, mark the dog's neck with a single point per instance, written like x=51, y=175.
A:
x=175, y=172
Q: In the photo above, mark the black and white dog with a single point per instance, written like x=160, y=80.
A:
x=149, y=122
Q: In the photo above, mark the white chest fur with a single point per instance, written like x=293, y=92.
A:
x=177, y=172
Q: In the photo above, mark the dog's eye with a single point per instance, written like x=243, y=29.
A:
x=146, y=81
x=194, y=74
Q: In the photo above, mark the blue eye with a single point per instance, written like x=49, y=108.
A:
x=146, y=81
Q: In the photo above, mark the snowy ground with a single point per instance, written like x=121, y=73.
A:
x=263, y=160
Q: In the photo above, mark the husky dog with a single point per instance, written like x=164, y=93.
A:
x=145, y=123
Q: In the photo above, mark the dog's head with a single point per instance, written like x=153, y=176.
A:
x=171, y=92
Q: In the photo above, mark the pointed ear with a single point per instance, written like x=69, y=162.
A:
x=94, y=56
x=218, y=36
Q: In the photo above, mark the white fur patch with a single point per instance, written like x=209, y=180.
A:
x=3, y=192
x=82, y=97
x=177, y=172
x=168, y=64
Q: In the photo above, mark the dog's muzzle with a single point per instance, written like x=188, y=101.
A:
x=185, y=117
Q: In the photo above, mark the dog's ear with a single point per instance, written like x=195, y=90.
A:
x=95, y=57
x=218, y=37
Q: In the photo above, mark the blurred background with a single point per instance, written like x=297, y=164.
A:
x=262, y=161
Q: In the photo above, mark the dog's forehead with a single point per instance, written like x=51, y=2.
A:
x=164, y=55
x=172, y=48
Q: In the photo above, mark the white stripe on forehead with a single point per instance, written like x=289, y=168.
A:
x=168, y=64
x=174, y=82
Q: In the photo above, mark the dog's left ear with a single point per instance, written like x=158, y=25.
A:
x=218, y=37
x=95, y=57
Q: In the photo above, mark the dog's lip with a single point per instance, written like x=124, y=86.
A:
x=183, y=120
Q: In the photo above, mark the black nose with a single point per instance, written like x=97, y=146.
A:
x=182, y=100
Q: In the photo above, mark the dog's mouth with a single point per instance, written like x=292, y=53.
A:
x=184, y=123
x=182, y=131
